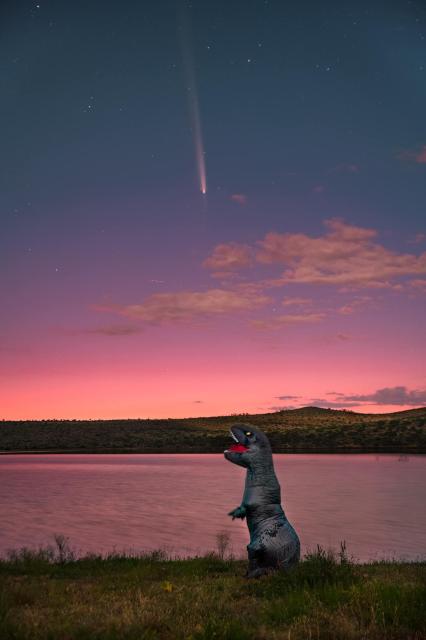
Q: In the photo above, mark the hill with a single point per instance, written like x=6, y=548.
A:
x=309, y=429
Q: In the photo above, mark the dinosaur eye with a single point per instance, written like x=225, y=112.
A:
x=248, y=433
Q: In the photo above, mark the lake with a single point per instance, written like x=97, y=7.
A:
x=179, y=503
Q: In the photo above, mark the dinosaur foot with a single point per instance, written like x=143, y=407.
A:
x=257, y=572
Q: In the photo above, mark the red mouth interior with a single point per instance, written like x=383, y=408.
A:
x=239, y=448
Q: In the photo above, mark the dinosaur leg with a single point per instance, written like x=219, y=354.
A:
x=256, y=567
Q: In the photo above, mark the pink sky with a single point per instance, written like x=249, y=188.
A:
x=291, y=319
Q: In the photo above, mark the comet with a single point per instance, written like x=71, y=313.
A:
x=194, y=109
x=198, y=144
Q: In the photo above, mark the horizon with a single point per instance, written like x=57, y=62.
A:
x=209, y=209
x=207, y=417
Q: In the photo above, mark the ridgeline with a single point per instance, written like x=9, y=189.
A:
x=306, y=430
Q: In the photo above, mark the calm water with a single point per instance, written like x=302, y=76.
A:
x=179, y=502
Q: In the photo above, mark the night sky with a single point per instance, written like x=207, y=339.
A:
x=298, y=278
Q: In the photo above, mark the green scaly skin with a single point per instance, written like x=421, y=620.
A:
x=274, y=544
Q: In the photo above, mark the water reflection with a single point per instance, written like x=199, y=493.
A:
x=179, y=502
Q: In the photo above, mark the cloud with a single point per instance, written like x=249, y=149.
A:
x=421, y=155
x=286, y=407
x=287, y=397
x=417, y=155
x=392, y=395
x=418, y=238
x=345, y=255
x=108, y=330
x=226, y=257
x=289, y=319
x=419, y=285
x=354, y=305
x=330, y=339
x=185, y=306
x=287, y=302
x=239, y=198
x=327, y=404
x=198, y=401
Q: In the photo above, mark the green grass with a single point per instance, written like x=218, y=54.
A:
x=46, y=595
x=301, y=430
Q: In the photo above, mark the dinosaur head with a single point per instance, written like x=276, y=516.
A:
x=250, y=446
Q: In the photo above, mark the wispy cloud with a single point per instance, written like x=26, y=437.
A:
x=392, y=395
x=345, y=257
x=330, y=404
x=287, y=302
x=107, y=330
x=354, y=305
x=414, y=155
x=186, y=306
x=285, y=407
x=343, y=337
x=418, y=238
x=418, y=285
x=227, y=257
x=239, y=198
x=397, y=396
x=278, y=322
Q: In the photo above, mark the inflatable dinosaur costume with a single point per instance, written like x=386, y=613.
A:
x=274, y=544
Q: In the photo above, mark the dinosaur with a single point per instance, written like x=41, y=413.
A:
x=274, y=544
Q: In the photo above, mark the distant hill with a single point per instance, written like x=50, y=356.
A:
x=309, y=429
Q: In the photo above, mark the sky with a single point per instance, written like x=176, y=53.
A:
x=211, y=207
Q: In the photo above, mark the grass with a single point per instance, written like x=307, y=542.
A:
x=301, y=430
x=51, y=594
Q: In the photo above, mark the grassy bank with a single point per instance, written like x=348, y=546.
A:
x=325, y=597
x=301, y=430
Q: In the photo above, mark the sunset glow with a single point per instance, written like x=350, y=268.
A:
x=301, y=283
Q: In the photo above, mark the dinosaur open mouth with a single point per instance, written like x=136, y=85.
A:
x=238, y=448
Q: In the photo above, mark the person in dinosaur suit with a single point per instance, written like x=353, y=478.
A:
x=274, y=544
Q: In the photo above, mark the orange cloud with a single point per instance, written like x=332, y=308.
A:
x=419, y=285
x=185, y=306
x=345, y=255
x=287, y=302
x=289, y=319
x=354, y=305
x=226, y=257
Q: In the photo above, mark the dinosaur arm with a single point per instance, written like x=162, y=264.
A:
x=239, y=512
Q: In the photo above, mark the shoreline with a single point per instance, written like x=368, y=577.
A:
x=325, y=451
